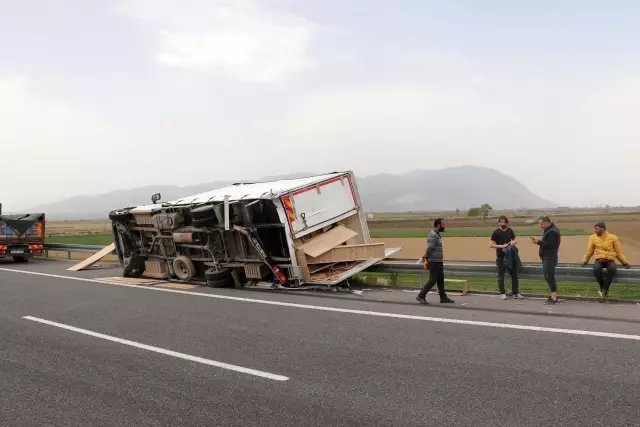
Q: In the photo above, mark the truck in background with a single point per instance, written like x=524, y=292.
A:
x=287, y=232
x=21, y=235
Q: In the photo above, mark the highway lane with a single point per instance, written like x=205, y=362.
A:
x=343, y=368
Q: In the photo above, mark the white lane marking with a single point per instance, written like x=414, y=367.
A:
x=184, y=356
x=351, y=311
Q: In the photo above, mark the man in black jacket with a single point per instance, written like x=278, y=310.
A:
x=502, y=238
x=549, y=246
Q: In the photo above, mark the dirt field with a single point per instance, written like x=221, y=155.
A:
x=77, y=227
x=477, y=249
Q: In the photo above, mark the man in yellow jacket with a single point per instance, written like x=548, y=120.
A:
x=606, y=248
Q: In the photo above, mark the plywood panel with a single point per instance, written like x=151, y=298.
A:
x=93, y=258
x=350, y=253
x=302, y=263
x=327, y=241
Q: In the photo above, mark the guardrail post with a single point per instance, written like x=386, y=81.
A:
x=46, y=253
x=68, y=255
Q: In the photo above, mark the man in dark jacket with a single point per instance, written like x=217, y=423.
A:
x=434, y=260
x=549, y=246
x=503, y=240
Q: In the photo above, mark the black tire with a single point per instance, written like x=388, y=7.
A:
x=218, y=279
x=202, y=212
x=242, y=278
x=20, y=259
x=120, y=215
x=220, y=283
x=183, y=268
x=213, y=275
x=135, y=268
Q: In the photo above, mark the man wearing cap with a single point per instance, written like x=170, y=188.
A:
x=606, y=247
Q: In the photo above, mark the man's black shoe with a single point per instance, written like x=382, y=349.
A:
x=551, y=301
x=446, y=300
x=422, y=300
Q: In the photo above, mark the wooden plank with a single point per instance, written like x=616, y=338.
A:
x=179, y=285
x=327, y=241
x=350, y=253
x=302, y=263
x=131, y=280
x=465, y=285
x=93, y=258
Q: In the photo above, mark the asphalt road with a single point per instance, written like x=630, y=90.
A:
x=350, y=367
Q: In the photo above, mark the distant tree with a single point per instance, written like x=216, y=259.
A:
x=486, y=210
x=457, y=211
x=474, y=212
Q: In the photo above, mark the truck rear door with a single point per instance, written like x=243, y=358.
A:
x=316, y=206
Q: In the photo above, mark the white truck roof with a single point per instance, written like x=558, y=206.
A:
x=242, y=191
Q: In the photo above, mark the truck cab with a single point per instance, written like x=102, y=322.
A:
x=21, y=236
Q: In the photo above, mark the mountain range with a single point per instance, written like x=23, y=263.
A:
x=421, y=190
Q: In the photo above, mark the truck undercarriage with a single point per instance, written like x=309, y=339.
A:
x=193, y=243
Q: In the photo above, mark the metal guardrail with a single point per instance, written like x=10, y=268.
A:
x=58, y=247
x=530, y=270
x=72, y=248
x=564, y=271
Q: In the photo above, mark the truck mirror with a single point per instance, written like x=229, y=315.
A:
x=155, y=198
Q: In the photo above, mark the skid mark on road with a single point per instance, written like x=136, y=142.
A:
x=166, y=352
x=352, y=311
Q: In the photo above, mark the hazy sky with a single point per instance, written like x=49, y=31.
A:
x=101, y=95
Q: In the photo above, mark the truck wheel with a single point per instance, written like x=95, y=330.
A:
x=239, y=278
x=120, y=215
x=218, y=279
x=183, y=268
x=135, y=268
x=220, y=283
x=20, y=259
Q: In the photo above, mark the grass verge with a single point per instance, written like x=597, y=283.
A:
x=488, y=284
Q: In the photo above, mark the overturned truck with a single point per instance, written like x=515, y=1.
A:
x=288, y=233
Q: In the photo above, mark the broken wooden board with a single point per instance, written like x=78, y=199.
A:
x=131, y=281
x=327, y=241
x=347, y=253
x=141, y=281
x=321, y=267
x=93, y=258
x=334, y=270
x=302, y=263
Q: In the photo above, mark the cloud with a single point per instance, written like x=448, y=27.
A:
x=53, y=147
x=240, y=38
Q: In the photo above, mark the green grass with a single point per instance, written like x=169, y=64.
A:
x=88, y=239
x=527, y=286
x=465, y=232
